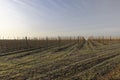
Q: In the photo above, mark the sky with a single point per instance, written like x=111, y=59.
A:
x=40, y=18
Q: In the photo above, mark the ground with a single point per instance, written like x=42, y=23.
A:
x=86, y=61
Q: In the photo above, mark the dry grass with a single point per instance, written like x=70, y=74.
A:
x=62, y=59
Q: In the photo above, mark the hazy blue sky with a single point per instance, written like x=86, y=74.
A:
x=59, y=17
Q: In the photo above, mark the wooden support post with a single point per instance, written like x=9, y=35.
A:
x=78, y=41
x=47, y=42
x=26, y=40
x=59, y=41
